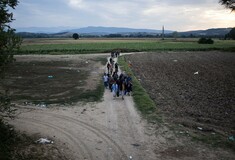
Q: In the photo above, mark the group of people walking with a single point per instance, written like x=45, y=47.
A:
x=119, y=83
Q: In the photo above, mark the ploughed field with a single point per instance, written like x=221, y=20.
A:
x=194, y=89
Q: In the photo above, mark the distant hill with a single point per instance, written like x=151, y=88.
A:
x=38, y=32
x=88, y=30
x=47, y=30
x=44, y=35
x=113, y=30
x=214, y=32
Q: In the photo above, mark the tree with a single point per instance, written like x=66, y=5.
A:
x=230, y=4
x=9, y=43
x=75, y=36
x=231, y=34
x=175, y=34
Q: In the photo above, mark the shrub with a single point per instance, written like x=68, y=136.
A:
x=75, y=36
x=205, y=41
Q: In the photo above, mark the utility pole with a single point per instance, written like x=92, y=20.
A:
x=163, y=32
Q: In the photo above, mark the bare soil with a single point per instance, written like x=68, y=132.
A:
x=195, y=90
x=111, y=129
x=191, y=87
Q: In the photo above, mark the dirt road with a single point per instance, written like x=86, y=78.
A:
x=109, y=130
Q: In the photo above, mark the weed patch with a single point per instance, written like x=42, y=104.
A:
x=214, y=140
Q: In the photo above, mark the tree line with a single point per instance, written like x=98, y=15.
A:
x=222, y=35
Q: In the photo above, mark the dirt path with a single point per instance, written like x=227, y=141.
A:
x=109, y=130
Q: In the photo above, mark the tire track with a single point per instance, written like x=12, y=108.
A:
x=100, y=134
x=95, y=131
x=84, y=151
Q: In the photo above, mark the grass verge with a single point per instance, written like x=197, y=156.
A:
x=143, y=102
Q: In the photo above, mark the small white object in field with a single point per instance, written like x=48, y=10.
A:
x=200, y=128
x=44, y=141
x=196, y=73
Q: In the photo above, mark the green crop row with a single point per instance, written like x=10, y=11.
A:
x=124, y=46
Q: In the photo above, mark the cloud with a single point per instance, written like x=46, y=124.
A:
x=109, y=12
x=174, y=14
x=78, y=4
x=183, y=17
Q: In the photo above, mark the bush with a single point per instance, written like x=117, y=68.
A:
x=7, y=138
x=205, y=41
x=75, y=36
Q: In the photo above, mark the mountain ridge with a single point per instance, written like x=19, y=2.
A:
x=87, y=30
x=117, y=32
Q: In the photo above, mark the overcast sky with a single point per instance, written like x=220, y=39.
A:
x=179, y=15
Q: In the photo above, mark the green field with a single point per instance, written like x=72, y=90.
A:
x=70, y=46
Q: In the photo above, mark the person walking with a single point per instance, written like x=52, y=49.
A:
x=115, y=76
x=111, y=60
x=122, y=88
x=128, y=78
x=115, y=89
x=105, y=79
x=116, y=67
x=108, y=67
x=128, y=88
x=111, y=82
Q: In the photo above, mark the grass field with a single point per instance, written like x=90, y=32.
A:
x=102, y=45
